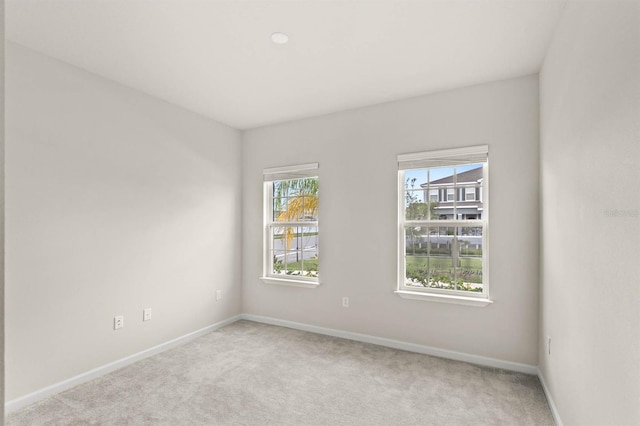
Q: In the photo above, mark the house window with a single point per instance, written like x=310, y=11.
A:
x=470, y=194
x=443, y=249
x=451, y=194
x=433, y=195
x=291, y=201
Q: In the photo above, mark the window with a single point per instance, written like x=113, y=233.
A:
x=433, y=195
x=470, y=194
x=291, y=201
x=443, y=247
x=450, y=194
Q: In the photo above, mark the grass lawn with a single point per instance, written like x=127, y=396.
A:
x=296, y=235
x=423, y=268
x=444, y=262
x=309, y=265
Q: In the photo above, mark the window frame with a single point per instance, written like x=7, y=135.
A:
x=272, y=175
x=472, y=192
x=444, y=158
x=451, y=195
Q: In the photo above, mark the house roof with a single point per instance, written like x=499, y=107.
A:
x=473, y=175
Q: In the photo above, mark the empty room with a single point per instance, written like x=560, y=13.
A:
x=321, y=212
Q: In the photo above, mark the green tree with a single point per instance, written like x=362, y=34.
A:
x=294, y=200
x=416, y=210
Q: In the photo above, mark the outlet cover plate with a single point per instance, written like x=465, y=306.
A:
x=118, y=322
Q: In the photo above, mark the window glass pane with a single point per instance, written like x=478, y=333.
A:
x=441, y=176
x=310, y=265
x=428, y=256
x=277, y=188
x=310, y=251
x=295, y=200
x=415, y=241
x=416, y=261
x=294, y=187
x=470, y=211
x=293, y=265
x=278, y=261
x=295, y=250
x=441, y=266
x=468, y=178
x=415, y=178
x=448, y=258
x=279, y=208
x=279, y=247
x=441, y=193
x=470, y=249
x=414, y=194
x=469, y=174
x=419, y=211
x=455, y=185
x=417, y=271
x=309, y=186
x=306, y=207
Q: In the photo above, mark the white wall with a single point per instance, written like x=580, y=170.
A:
x=115, y=202
x=358, y=215
x=1, y=211
x=590, y=168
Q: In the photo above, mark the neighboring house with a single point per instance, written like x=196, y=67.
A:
x=462, y=198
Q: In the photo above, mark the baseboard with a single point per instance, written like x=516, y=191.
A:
x=412, y=347
x=41, y=394
x=554, y=410
x=396, y=344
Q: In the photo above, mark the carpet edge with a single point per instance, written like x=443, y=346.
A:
x=552, y=406
x=397, y=344
x=56, y=388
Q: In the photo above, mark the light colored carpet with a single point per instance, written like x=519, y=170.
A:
x=254, y=374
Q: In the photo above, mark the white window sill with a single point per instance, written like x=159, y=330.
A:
x=444, y=298
x=292, y=282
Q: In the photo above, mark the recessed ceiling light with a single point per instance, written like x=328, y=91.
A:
x=279, y=38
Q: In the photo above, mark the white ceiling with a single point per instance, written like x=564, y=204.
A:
x=216, y=57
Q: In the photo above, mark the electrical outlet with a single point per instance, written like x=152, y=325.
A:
x=118, y=322
x=218, y=294
x=548, y=345
x=146, y=314
x=345, y=302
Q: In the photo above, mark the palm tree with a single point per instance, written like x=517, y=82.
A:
x=302, y=196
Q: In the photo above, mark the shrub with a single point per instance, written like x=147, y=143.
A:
x=419, y=274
